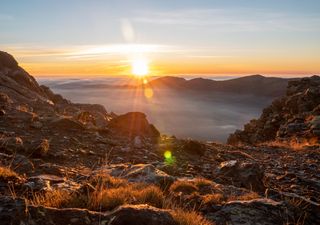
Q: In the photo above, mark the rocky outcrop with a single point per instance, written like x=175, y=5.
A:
x=133, y=124
x=253, y=212
x=295, y=118
x=242, y=174
x=141, y=173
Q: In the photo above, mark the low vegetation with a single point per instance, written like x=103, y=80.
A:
x=183, y=217
x=6, y=174
x=108, y=193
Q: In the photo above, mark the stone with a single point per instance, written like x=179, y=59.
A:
x=22, y=164
x=242, y=174
x=253, y=212
x=133, y=124
x=40, y=148
x=12, y=143
x=194, y=147
x=142, y=215
x=141, y=173
x=137, y=142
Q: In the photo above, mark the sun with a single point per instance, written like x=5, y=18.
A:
x=139, y=67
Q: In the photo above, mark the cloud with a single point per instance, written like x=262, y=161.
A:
x=243, y=19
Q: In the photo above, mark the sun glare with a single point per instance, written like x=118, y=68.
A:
x=140, y=67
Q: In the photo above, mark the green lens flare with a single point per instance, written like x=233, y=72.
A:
x=167, y=155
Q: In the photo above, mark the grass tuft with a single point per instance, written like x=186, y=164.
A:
x=189, y=218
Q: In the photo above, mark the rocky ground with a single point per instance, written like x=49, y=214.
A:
x=66, y=163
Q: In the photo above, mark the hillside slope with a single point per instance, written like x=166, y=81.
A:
x=293, y=119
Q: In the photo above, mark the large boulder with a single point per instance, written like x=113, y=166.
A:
x=141, y=173
x=142, y=215
x=242, y=174
x=133, y=124
x=194, y=147
x=253, y=212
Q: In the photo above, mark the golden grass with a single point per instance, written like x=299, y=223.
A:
x=109, y=199
x=7, y=174
x=185, y=187
x=214, y=199
x=103, y=180
x=183, y=217
x=55, y=198
x=244, y=197
x=202, y=182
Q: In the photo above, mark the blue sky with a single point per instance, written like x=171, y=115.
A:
x=247, y=35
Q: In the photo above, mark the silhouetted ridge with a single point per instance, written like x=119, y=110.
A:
x=254, y=85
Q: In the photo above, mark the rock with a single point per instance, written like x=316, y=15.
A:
x=141, y=173
x=142, y=215
x=22, y=164
x=7, y=60
x=40, y=148
x=36, y=124
x=5, y=100
x=12, y=211
x=12, y=143
x=66, y=124
x=133, y=124
x=254, y=212
x=242, y=174
x=194, y=147
x=2, y=112
x=137, y=142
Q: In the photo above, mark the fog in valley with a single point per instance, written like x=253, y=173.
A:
x=203, y=116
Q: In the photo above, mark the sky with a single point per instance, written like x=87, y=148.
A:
x=175, y=37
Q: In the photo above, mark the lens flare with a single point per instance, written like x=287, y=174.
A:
x=167, y=155
x=148, y=92
x=169, y=159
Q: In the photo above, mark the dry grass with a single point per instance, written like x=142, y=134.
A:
x=244, y=197
x=202, y=182
x=101, y=181
x=214, y=199
x=183, y=217
x=108, y=194
x=6, y=174
x=183, y=186
x=109, y=199
x=55, y=198
x=295, y=144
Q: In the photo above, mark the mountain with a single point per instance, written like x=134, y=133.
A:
x=292, y=119
x=251, y=85
x=68, y=163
